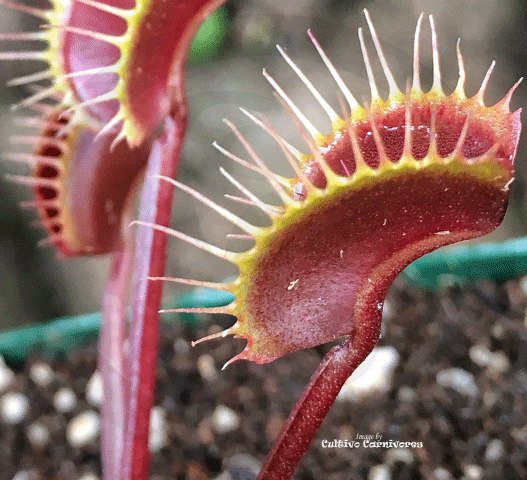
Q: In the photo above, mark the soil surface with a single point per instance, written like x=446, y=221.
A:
x=458, y=391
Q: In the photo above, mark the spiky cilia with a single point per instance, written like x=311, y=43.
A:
x=393, y=180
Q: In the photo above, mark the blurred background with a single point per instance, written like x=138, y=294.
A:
x=36, y=287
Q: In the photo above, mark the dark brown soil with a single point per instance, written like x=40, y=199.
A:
x=472, y=435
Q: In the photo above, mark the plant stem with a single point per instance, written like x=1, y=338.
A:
x=316, y=400
x=156, y=203
x=111, y=362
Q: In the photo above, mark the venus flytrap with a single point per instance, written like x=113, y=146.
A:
x=112, y=111
x=394, y=179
